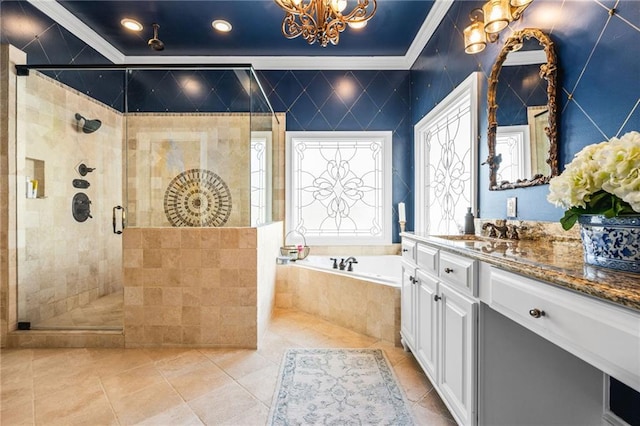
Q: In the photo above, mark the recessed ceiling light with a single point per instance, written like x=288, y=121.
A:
x=221, y=25
x=131, y=24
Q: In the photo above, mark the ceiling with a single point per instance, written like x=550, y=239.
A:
x=392, y=39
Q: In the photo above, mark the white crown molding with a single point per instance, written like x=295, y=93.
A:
x=439, y=9
x=429, y=26
x=525, y=57
x=282, y=62
x=62, y=16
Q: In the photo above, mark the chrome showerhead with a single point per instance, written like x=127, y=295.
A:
x=89, y=126
x=155, y=43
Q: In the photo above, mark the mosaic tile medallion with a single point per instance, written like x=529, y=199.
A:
x=198, y=198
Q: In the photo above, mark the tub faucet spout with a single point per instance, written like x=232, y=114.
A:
x=350, y=260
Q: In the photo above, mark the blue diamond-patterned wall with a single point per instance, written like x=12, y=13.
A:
x=599, y=93
x=351, y=101
x=598, y=66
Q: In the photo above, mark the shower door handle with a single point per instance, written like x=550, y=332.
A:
x=122, y=219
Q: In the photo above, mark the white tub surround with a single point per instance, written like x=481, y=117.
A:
x=380, y=269
x=365, y=302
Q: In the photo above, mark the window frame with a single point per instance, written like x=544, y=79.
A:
x=267, y=138
x=386, y=138
x=469, y=87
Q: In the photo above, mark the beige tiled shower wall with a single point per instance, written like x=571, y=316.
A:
x=278, y=173
x=190, y=287
x=64, y=263
x=9, y=56
x=363, y=306
x=161, y=146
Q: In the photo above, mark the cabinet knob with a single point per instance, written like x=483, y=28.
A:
x=448, y=270
x=405, y=250
x=411, y=279
x=436, y=297
x=536, y=313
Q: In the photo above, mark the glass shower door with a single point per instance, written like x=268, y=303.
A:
x=69, y=161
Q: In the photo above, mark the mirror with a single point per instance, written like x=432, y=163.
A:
x=521, y=95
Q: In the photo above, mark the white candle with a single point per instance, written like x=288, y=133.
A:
x=402, y=217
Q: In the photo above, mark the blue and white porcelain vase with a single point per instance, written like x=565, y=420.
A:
x=611, y=243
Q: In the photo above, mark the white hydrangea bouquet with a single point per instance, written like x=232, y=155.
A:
x=603, y=179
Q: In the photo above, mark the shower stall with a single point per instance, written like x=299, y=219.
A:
x=106, y=153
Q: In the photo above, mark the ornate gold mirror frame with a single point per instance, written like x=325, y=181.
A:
x=548, y=71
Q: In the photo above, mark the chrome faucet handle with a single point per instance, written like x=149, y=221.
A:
x=350, y=267
x=335, y=262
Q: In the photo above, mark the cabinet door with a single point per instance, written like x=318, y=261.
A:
x=427, y=325
x=407, y=304
x=458, y=332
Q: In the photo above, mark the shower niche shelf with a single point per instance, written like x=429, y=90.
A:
x=34, y=178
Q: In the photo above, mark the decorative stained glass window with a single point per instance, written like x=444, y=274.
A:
x=339, y=187
x=446, y=141
x=512, y=144
x=259, y=177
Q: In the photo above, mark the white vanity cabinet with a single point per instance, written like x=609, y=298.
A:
x=440, y=323
x=458, y=317
x=408, y=319
x=603, y=335
x=426, y=348
x=502, y=347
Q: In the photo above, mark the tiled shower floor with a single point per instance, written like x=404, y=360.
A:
x=183, y=386
x=103, y=313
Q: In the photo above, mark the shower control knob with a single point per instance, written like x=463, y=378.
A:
x=81, y=207
x=80, y=183
x=83, y=169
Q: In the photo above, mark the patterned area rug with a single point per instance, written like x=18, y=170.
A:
x=338, y=387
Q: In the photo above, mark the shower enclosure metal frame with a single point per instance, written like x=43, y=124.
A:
x=262, y=105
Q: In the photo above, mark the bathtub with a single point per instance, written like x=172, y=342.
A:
x=366, y=300
x=380, y=269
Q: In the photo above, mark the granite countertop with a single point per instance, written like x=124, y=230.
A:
x=557, y=262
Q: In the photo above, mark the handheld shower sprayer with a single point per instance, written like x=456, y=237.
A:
x=89, y=126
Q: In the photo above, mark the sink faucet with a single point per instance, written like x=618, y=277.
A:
x=502, y=230
x=350, y=261
x=495, y=230
x=512, y=232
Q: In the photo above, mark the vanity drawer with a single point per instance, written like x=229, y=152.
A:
x=459, y=271
x=427, y=258
x=409, y=250
x=600, y=333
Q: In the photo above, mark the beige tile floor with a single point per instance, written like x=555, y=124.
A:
x=106, y=312
x=181, y=386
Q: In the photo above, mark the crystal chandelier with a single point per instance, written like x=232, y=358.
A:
x=322, y=21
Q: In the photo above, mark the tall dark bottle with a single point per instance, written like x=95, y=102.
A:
x=469, y=227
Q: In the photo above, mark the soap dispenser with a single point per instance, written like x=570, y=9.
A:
x=469, y=227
